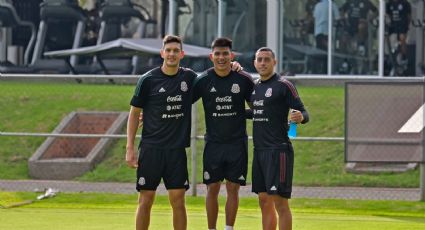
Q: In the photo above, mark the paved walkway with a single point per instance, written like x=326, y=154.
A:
x=358, y=193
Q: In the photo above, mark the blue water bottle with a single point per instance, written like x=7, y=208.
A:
x=292, y=132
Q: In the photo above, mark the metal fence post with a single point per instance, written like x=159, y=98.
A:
x=422, y=182
x=193, y=141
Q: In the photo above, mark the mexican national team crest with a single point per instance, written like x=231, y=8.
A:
x=268, y=92
x=142, y=181
x=235, y=88
x=183, y=86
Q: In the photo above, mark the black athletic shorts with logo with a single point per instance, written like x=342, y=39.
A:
x=168, y=164
x=272, y=170
x=225, y=161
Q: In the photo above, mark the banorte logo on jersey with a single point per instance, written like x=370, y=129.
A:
x=183, y=86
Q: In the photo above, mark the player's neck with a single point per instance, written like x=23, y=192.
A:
x=267, y=77
x=169, y=70
x=222, y=73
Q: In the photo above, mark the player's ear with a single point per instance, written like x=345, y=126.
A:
x=232, y=56
x=182, y=54
x=211, y=56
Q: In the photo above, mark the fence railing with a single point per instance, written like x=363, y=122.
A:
x=131, y=80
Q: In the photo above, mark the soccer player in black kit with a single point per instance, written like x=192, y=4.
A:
x=272, y=167
x=223, y=94
x=356, y=12
x=164, y=94
x=400, y=13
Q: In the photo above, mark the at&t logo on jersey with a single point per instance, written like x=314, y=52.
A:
x=269, y=92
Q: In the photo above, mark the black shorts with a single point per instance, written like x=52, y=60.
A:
x=225, y=161
x=168, y=164
x=398, y=28
x=272, y=171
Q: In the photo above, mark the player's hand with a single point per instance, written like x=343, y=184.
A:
x=236, y=66
x=141, y=120
x=130, y=158
x=296, y=116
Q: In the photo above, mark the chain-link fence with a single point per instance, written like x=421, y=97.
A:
x=49, y=140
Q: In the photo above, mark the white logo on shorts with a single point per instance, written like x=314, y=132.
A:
x=273, y=188
x=206, y=175
x=186, y=183
x=142, y=181
x=242, y=177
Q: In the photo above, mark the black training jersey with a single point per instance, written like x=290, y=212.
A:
x=271, y=102
x=358, y=9
x=224, y=104
x=166, y=102
x=399, y=12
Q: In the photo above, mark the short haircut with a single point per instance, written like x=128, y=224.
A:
x=172, y=38
x=265, y=49
x=222, y=42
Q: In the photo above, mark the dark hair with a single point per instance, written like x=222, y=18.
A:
x=172, y=38
x=265, y=49
x=222, y=42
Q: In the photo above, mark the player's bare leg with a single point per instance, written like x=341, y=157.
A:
x=211, y=204
x=232, y=202
x=177, y=201
x=284, y=212
x=143, y=213
x=403, y=45
x=268, y=211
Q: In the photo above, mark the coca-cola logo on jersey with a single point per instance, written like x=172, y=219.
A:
x=223, y=99
x=259, y=103
x=174, y=99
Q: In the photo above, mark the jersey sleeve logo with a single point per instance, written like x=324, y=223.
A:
x=162, y=90
x=213, y=90
x=235, y=88
x=269, y=92
x=183, y=86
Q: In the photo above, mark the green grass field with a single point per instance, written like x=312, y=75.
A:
x=39, y=107
x=112, y=211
